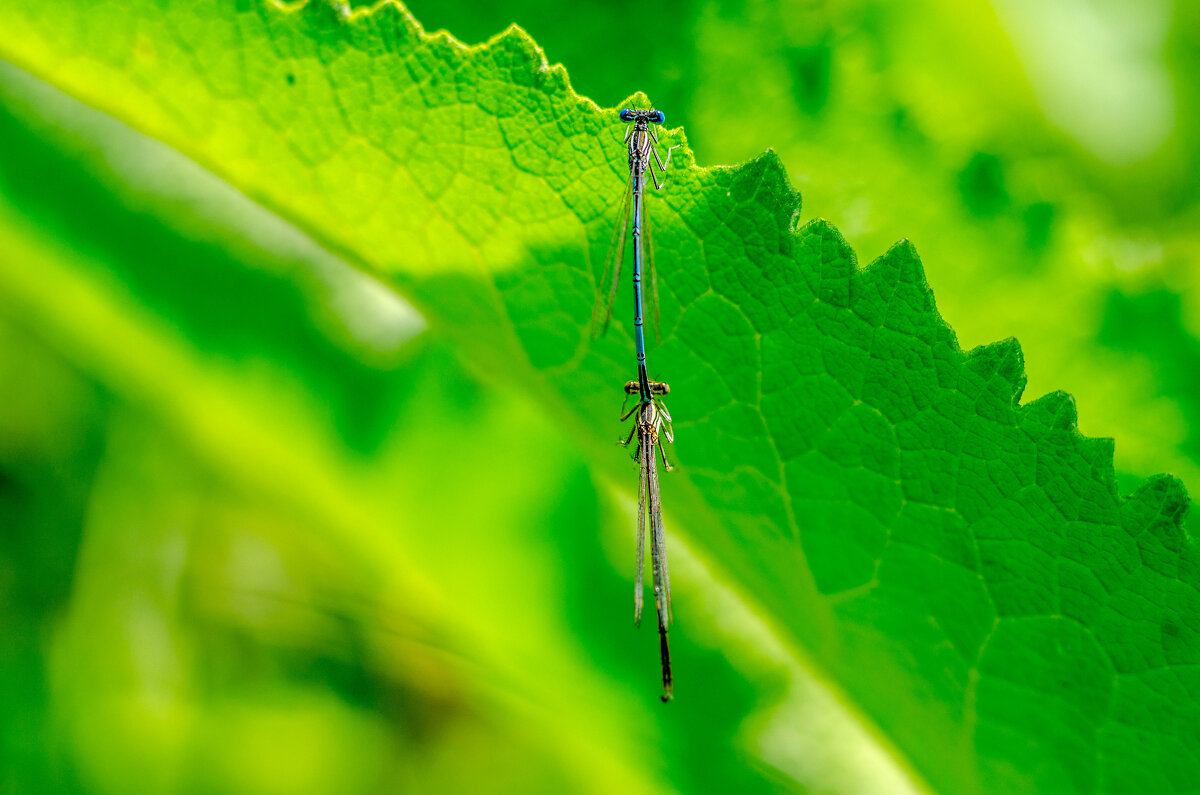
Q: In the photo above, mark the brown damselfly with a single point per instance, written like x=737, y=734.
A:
x=651, y=430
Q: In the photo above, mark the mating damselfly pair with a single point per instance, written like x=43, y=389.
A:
x=650, y=418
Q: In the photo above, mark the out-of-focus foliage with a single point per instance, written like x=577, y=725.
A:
x=163, y=474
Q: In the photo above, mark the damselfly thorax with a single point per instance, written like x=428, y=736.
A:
x=653, y=425
x=640, y=147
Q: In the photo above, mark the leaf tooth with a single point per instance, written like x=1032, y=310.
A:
x=1054, y=411
x=1003, y=360
x=835, y=260
x=1159, y=507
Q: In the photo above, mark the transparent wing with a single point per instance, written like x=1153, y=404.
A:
x=610, y=279
x=662, y=587
x=652, y=293
x=641, y=542
x=658, y=544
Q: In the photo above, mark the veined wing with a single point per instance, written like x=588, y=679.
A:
x=658, y=556
x=658, y=540
x=610, y=279
x=638, y=569
x=652, y=293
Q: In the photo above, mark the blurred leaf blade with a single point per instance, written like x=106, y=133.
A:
x=789, y=365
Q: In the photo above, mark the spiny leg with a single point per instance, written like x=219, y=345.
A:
x=663, y=169
x=661, y=165
x=625, y=442
x=627, y=414
x=654, y=177
x=662, y=452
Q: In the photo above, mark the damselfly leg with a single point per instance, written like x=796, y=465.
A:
x=662, y=166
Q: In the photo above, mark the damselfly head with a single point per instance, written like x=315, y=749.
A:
x=656, y=388
x=652, y=116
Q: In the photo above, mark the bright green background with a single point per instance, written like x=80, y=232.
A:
x=231, y=475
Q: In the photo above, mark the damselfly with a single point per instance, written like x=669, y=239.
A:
x=640, y=137
x=651, y=420
x=652, y=426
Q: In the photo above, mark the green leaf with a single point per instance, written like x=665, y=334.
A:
x=959, y=565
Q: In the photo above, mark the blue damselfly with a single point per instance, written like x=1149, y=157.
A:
x=640, y=137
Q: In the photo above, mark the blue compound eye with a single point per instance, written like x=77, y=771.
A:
x=627, y=115
x=658, y=117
